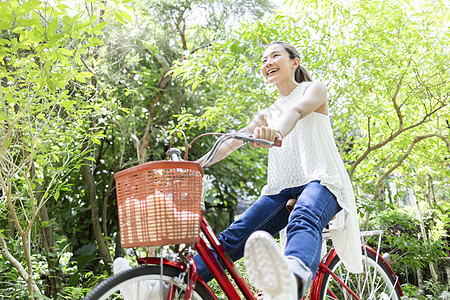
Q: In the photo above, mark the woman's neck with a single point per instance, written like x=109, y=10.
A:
x=286, y=88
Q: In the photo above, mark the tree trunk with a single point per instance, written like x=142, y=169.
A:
x=11, y=227
x=366, y=220
x=49, y=247
x=447, y=269
x=105, y=205
x=434, y=275
x=103, y=249
x=47, y=236
x=432, y=195
x=419, y=281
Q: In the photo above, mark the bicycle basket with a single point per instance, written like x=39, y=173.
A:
x=159, y=203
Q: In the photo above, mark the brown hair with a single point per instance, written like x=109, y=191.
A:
x=301, y=74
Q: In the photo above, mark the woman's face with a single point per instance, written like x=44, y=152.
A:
x=276, y=65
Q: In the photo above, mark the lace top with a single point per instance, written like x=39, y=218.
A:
x=309, y=153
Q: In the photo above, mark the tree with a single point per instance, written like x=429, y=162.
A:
x=45, y=102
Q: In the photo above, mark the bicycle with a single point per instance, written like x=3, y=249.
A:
x=159, y=204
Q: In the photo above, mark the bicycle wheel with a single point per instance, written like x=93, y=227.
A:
x=144, y=283
x=376, y=282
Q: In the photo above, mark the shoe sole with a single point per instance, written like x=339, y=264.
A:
x=267, y=267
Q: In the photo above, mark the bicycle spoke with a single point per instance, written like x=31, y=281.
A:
x=145, y=283
x=374, y=283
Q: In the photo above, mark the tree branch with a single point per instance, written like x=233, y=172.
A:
x=6, y=254
x=390, y=138
x=394, y=97
x=416, y=140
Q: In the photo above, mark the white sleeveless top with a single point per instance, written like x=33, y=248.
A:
x=309, y=153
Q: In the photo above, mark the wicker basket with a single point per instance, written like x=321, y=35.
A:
x=159, y=203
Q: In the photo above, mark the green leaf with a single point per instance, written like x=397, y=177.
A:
x=18, y=30
x=195, y=84
x=28, y=22
x=65, y=51
x=51, y=28
x=85, y=74
x=82, y=76
x=67, y=20
x=234, y=48
x=95, y=41
x=125, y=110
x=119, y=17
x=68, y=104
x=99, y=26
x=4, y=26
x=40, y=296
x=6, y=15
x=74, y=279
x=48, y=223
x=28, y=6
x=5, y=42
x=125, y=15
x=128, y=7
x=95, y=140
x=86, y=250
x=189, y=82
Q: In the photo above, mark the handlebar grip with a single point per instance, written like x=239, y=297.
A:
x=278, y=142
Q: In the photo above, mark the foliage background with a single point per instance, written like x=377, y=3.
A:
x=92, y=87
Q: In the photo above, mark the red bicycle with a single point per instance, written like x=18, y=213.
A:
x=160, y=204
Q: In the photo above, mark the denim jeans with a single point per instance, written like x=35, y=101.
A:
x=315, y=207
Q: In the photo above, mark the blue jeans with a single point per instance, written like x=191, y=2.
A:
x=315, y=207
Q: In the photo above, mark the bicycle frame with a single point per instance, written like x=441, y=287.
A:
x=212, y=262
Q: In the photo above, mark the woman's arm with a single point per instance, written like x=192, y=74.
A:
x=314, y=99
x=232, y=144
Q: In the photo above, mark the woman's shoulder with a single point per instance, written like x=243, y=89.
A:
x=315, y=86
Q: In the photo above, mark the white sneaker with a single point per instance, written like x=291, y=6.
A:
x=268, y=268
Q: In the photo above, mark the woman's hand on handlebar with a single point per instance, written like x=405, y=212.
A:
x=265, y=133
x=226, y=144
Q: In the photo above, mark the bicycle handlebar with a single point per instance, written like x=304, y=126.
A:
x=248, y=138
x=245, y=137
x=175, y=154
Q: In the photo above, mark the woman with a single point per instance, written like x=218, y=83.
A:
x=307, y=167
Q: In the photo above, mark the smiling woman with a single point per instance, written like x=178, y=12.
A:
x=308, y=168
x=273, y=55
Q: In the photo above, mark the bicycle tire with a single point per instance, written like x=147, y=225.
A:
x=110, y=288
x=376, y=282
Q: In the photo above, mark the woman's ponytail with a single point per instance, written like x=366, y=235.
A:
x=301, y=74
